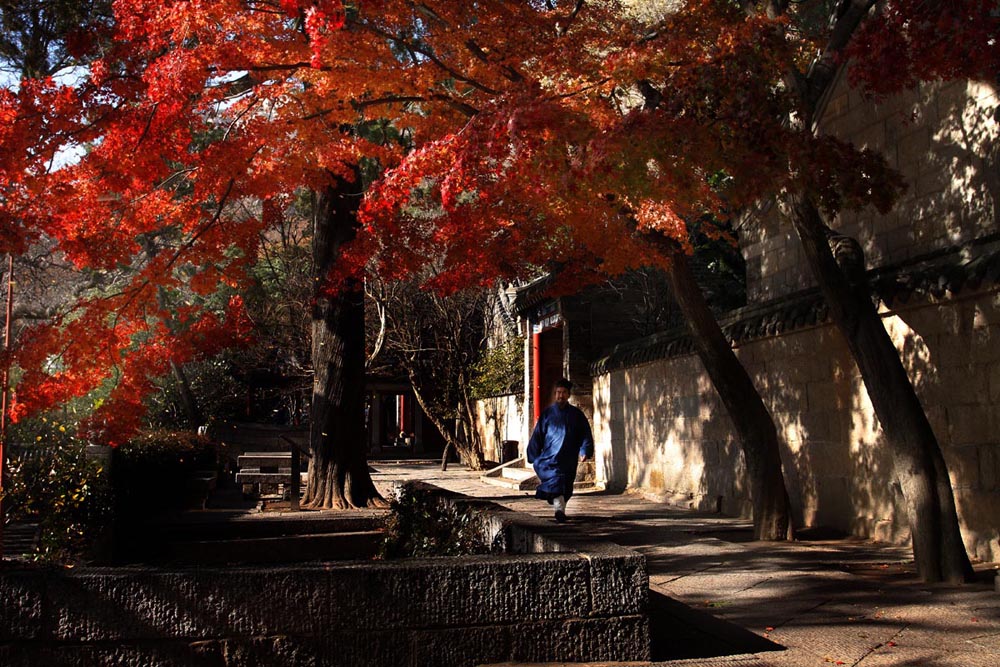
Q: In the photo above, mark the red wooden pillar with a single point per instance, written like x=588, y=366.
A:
x=536, y=374
x=403, y=413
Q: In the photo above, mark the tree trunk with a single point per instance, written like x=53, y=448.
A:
x=188, y=400
x=753, y=423
x=471, y=455
x=444, y=455
x=751, y=419
x=338, y=472
x=476, y=458
x=918, y=463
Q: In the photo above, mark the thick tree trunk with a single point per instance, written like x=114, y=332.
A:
x=476, y=458
x=918, y=463
x=754, y=426
x=338, y=472
x=753, y=423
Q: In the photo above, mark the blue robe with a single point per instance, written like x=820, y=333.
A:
x=560, y=437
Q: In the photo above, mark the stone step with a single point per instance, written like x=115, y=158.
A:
x=531, y=485
x=218, y=525
x=508, y=483
x=361, y=545
x=518, y=474
x=19, y=539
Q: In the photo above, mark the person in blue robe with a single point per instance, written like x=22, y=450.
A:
x=561, y=439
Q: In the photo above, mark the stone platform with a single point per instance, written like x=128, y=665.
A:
x=543, y=598
x=820, y=602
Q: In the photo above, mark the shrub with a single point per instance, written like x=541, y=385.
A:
x=500, y=370
x=54, y=483
x=421, y=524
x=152, y=471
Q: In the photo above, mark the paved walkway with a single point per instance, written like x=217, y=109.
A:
x=833, y=602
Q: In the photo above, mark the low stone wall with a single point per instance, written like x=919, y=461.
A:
x=553, y=601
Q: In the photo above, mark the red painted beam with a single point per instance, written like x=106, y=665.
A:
x=536, y=374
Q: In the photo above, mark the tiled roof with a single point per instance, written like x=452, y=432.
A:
x=532, y=294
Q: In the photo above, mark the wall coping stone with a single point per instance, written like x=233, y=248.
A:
x=939, y=274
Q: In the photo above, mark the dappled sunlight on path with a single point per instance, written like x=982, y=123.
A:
x=829, y=602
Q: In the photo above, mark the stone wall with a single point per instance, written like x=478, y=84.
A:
x=500, y=418
x=585, y=603
x=661, y=428
x=941, y=137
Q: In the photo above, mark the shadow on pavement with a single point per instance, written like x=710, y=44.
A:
x=678, y=631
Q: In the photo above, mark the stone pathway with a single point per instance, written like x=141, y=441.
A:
x=833, y=602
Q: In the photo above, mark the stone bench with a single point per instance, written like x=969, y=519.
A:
x=263, y=473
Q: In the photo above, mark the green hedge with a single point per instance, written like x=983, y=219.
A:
x=52, y=482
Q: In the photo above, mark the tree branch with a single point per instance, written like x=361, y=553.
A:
x=850, y=14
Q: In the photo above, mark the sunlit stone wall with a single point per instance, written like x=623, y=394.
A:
x=661, y=428
x=943, y=140
x=500, y=418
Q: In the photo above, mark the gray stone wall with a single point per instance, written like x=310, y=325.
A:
x=942, y=139
x=661, y=428
x=575, y=605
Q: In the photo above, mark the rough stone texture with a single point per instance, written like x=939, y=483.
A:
x=21, y=614
x=823, y=601
x=578, y=640
x=660, y=427
x=466, y=646
x=569, y=599
x=618, y=582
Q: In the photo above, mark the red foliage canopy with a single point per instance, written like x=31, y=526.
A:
x=534, y=134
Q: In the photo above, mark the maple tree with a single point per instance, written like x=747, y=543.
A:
x=599, y=172
x=890, y=47
x=579, y=142
x=512, y=150
x=724, y=88
x=195, y=125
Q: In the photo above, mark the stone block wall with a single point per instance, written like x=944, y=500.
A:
x=942, y=138
x=661, y=428
x=547, y=600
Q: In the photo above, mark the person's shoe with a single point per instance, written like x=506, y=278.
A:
x=560, y=516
